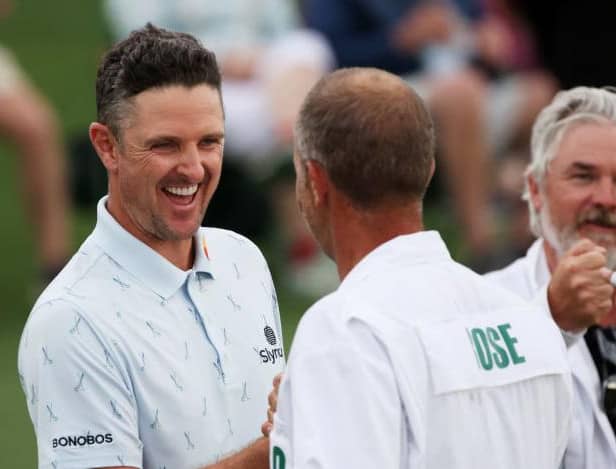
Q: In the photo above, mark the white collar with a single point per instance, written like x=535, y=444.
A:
x=421, y=247
x=156, y=272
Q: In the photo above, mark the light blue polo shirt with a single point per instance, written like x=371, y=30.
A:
x=127, y=360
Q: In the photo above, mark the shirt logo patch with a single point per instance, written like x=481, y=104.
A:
x=270, y=335
x=279, y=460
x=267, y=354
x=495, y=346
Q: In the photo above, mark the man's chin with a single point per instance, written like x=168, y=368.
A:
x=184, y=233
x=177, y=231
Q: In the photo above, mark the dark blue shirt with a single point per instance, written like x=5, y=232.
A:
x=360, y=30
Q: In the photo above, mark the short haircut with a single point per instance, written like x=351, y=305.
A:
x=372, y=134
x=568, y=108
x=148, y=58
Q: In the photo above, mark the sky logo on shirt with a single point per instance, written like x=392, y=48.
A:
x=273, y=353
x=270, y=335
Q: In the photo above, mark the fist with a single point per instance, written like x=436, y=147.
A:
x=580, y=293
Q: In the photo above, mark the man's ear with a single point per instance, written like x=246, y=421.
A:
x=105, y=145
x=534, y=192
x=318, y=182
x=432, y=169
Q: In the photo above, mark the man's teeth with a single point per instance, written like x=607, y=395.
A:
x=605, y=222
x=182, y=190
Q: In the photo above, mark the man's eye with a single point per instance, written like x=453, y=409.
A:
x=160, y=146
x=583, y=176
x=209, y=142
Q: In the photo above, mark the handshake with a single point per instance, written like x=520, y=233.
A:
x=272, y=401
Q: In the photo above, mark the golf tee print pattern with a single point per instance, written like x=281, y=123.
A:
x=127, y=358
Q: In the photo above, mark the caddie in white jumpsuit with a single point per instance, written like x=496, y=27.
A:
x=415, y=361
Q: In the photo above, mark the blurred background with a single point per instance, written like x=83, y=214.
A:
x=57, y=44
x=484, y=67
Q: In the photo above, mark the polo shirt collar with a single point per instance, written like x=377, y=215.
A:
x=147, y=265
x=421, y=247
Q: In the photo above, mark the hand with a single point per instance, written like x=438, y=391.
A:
x=431, y=22
x=272, y=400
x=579, y=292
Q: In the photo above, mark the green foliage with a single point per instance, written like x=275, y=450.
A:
x=58, y=45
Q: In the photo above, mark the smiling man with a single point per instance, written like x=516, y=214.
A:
x=157, y=345
x=571, y=193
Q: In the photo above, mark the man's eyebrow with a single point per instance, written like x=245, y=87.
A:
x=161, y=138
x=581, y=166
x=216, y=135
x=175, y=139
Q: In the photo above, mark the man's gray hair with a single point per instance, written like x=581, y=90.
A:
x=568, y=108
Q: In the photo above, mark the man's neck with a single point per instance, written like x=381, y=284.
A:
x=357, y=233
x=179, y=253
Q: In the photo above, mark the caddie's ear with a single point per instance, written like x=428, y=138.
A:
x=318, y=181
x=105, y=144
x=534, y=192
x=432, y=169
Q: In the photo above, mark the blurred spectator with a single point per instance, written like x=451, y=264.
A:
x=29, y=123
x=442, y=47
x=268, y=62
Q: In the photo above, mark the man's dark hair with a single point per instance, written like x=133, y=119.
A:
x=150, y=57
x=372, y=134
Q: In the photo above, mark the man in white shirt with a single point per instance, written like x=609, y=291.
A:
x=415, y=361
x=571, y=193
x=156, y=346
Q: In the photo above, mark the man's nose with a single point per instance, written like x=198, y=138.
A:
x=605, y=192
x=191, y=165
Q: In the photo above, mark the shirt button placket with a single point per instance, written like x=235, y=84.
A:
x=212, y=333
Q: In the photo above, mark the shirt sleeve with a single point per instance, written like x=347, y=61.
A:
x=339, y=407
x=78, y=394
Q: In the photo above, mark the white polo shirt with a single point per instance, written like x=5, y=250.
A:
x=417, y=362
x=128, y=361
